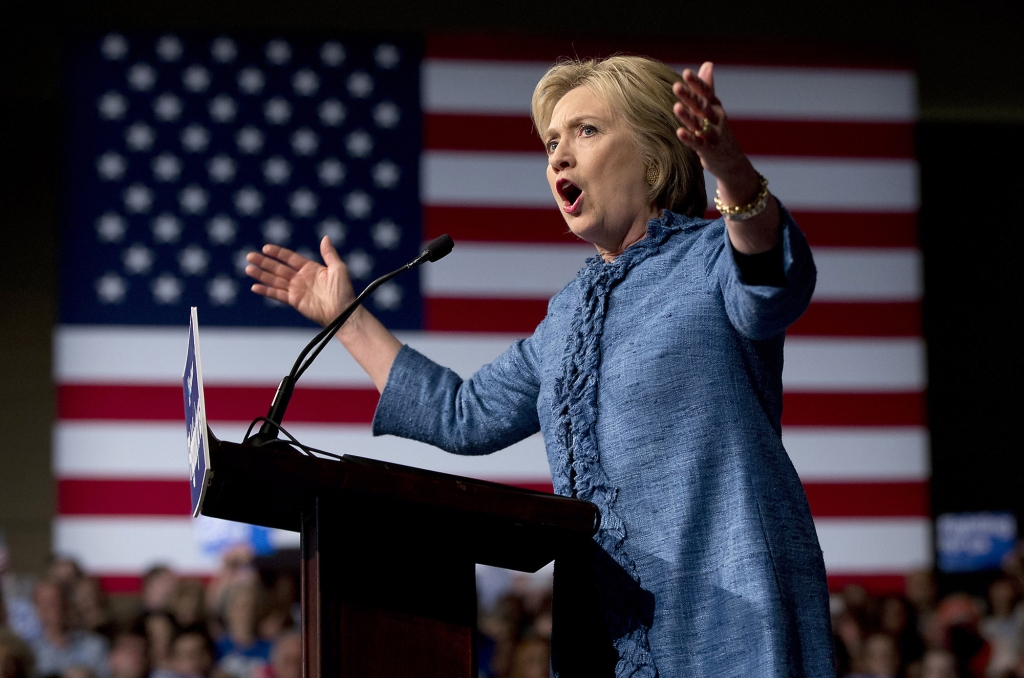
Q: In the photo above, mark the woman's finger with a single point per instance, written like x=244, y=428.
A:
x=698, y=83
x=266, y=277
x=293, y=259
x=328, y=252
x=273, y=293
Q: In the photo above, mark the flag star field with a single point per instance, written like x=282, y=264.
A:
x=186, y=151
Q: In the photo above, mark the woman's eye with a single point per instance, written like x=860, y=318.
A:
x=552, y=145
x=588, y=130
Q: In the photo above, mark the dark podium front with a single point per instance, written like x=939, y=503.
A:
x=389, y=552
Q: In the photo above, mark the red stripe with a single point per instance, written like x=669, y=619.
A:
x=103, y=497
x=828, y=319
x=504, y=133
x=521, y=316
x=130, y=402
x=854, y=409
x=140, y=402
x=516, y=47
x=875, y=584
x=860, y=500
x=545, y=225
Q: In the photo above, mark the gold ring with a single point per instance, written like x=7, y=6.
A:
x=705, y=125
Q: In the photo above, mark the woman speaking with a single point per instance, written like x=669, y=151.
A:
x=655, y=379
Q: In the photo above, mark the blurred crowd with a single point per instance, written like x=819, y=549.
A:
x=243, y=623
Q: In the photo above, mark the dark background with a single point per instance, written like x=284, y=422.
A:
x=970, y=141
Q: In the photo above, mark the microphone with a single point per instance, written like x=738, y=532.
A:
x=438, y=248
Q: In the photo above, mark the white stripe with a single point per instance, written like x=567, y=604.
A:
x=753, y=92
x=870, y=365
x=539, y=271
x=472, y=178
x=866, y=545
x=158, y=451
x=124, y=355
x=131, y=544
x=852, y=274
x=127, y=545
x=858, y=455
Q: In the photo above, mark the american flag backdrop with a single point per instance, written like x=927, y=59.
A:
x=185, y=151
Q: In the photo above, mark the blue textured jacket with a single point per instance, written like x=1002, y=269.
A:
x=656, y=381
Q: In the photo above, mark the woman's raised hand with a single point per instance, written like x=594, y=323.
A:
x=318, y=292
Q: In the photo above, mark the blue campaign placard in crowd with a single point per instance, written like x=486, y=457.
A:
x=195, y=418
x=974, y=542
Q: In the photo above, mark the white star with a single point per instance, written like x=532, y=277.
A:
x=386, y=174
x=240, y=260
x=193, y=260
x=195, y=138
x=303, y=202
x=332, y=112
x=359, y=263
x=166, y=167
x=387, y=56
x=388, y=297
x=193, y=199
x=138, y=259
x=250, y=80
x=331, y=172
x=358, y=205
x=112, y=106
x=221, y=229
x=141, y=77
x=332, y=53
x=305, y=82
x=111, y=166
x=166, y=289
x=111, y=227
x=223, y=108
x=248, y=201
x=277, y=170
x=111, y=288
x=386, y=114
x=166, y=228
x=278, y=52
x=305, y=141
x=196, y=78
x=333, y=229
x=277, y=111
x=169, y=48
x=249, y=140
x=223, y=50
x=139, y=136
x=138, y=198
x=114, y=47
x=222, y=290
x=221, y=168
x=167, y=107
x=276, y=230
x=386, y=235
x=359, y=144
x=360, y=84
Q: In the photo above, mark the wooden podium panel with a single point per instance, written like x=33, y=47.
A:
x=389, y=551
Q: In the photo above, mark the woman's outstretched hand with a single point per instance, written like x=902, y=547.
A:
x=318, y=292
x=704, y=127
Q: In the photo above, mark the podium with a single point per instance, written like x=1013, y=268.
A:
x=388, y=551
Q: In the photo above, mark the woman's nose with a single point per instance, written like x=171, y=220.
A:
x=561, y=158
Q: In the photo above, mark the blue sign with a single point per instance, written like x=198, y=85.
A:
x=973, y=542
x=195, y=419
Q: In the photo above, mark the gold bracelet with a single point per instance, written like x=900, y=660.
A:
x=748, y=211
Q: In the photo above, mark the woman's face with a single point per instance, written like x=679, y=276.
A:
x=596, y=174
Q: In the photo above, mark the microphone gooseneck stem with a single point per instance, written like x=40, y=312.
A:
x=434, y=250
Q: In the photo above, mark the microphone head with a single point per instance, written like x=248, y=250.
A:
x=439, y=247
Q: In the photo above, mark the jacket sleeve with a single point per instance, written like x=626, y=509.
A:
x=493, y=409
x=764, y=311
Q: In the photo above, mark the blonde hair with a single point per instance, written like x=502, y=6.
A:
x=639, y=90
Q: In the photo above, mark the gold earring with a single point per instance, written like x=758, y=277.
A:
x=652, y=175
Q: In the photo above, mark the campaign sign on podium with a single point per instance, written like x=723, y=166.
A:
x=195, y=419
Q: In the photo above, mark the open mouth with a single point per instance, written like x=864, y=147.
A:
x=570, y=194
